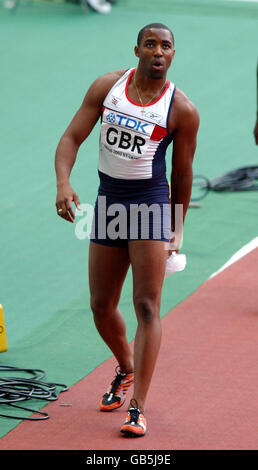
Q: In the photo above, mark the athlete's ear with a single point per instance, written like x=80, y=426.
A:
x=136, y=51
x=173, y=55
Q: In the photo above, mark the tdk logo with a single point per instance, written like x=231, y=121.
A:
x=130, y=123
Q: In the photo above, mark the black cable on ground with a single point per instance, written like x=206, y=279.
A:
x=241, y=179
x=19, y=389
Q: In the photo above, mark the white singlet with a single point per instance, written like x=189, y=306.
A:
x=134, y=137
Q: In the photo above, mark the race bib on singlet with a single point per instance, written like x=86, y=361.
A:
x=123, y=136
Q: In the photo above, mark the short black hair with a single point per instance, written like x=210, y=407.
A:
x=154, y=26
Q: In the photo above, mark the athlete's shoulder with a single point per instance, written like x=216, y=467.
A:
x=99, y=89
x=112, y=76
x=185, y=112
x=106, y=81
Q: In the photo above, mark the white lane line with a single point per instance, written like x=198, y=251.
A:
x=238, y=255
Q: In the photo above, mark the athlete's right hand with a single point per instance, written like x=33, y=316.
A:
x=64, y=199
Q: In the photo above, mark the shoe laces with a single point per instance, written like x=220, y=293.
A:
x=134, y=411
x=117, y=381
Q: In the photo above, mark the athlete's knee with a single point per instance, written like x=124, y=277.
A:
x=98, y=307
x=101, y=307
x=147, y=309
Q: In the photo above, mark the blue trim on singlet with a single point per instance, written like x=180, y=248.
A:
x=159, y=160
x=170, y=106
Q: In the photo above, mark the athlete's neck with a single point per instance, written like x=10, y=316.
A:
x=146, y=84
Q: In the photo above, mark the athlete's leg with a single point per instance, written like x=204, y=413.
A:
x=108, y=267
x=148, y=265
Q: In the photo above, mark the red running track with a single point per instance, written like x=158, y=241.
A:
x=204, y=390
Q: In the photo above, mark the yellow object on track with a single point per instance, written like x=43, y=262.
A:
x=3, y=339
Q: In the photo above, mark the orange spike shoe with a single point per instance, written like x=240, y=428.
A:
x=135, y=424
x=116, y=393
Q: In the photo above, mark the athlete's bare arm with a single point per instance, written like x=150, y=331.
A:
x=256, y=131
x=77, y=131
x=184, y=123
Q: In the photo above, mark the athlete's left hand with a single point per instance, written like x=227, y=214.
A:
x=172, y=247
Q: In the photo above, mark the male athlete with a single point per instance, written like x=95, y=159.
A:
x=141, y=114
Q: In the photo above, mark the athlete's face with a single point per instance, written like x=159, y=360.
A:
x=155, y=52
